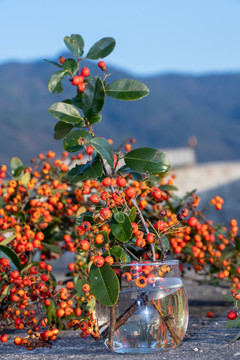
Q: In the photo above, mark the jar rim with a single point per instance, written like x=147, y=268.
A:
x=171, y=262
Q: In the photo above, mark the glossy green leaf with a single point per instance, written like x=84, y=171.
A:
x=104, y=284
x=53, y=63
x=237, y=242
x=119, y=254
x=54, y=81
x=119, y=217
x=19, y=172
x=236, y=337
x=93, y=97
x=6, y=291
x=61, y=130
x=101, y=49
x=91, y=170
x=126, y=170
x=132, y=214
x=86, y=216
x=78, y=286
x=104, y=149
x=126, y=89
x=229, y=298
x=77, y=100
x=8, y=240
x=71, y=66
x=165, y=245
x=26, y=177
x=95, y=119
x=51, y=312
x=168, y=187
x=147, y=160
x=55, y=249
x=65, y=112
x=233, y=323
x=15, y=262
x=91, y=305
x=75, y=44
x=15, y=164
x=75, y=140
x=121, y=231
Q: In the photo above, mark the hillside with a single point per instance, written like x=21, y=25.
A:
x=178, y=106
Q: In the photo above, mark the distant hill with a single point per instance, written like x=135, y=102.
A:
x=178, y=107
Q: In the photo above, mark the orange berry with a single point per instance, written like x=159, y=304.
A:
x=18, y=340
x=98, y=261
x=60, y=313
x=4, y=338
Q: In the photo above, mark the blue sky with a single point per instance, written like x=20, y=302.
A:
x=152, y=36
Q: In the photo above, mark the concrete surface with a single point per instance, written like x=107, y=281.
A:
x=206, y=338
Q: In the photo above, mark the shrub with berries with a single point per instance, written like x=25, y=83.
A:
x=105, y=206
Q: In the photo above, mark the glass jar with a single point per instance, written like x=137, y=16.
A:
x=151, y=313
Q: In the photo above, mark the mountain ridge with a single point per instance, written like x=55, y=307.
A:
x=179, y=106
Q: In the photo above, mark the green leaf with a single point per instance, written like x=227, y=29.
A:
x=95, y=119
x=132, y=214
x=61, y=130
x=86, y=216
x=75, y=140
x=71, y=66
x=165, y=244
x=104, y=284
x=121, y=231
x=91, y=170
x=101, y=49
x=91, y=305
x=168, y=187
x=75, y=44
x=126, y=89
x=78, y=286
x=51, y=312
x=229, y=298
x=8, y=240
x=77, y=100
x=53, y=63
x=6, y=291
x=118, y=253
x=54, y=83
x=93, y=97
x=119, y=217
x=126, y=170
x=15, y=262
x=233, y=323
x=237, y=242
x=103, y=148
x=15, y=164
x=147, y=160
x=26, y=177
x=55, y=249
x=65, y=112
x=236, y=337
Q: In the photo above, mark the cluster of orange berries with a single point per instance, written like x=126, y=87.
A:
x=55, y=204
x=218, y=202
x=144, y=274
x=78, y=80
x=27, y=288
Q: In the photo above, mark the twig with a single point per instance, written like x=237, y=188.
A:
x=122, y=319
x=111, y=327
x=133, y=201
x=167, y=322
x=130, y=253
